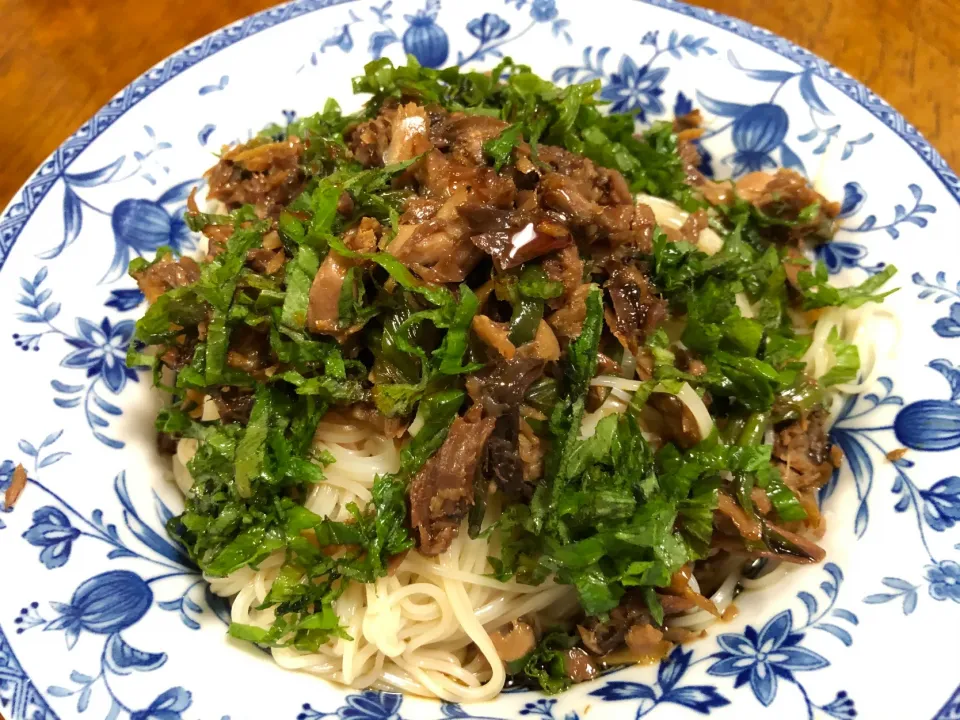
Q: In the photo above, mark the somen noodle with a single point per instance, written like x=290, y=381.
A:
x=477, y=386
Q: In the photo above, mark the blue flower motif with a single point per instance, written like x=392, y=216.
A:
x=368, y=705
x=543, y=10
x=944, y=579
x=168, y=706
x=951, y=374
x=929, y=425
x=949, y=327
x=941, y=503
x=838, y=255
x=142, y=226
x=145, y=225
x=488, y=27
x=102, y=350
x=635, y=89
x=761, y=657
x=424, y=39
x=702, y=698
x=52, y=531
x=125, y=299
x=105, y=604
x=757, y=132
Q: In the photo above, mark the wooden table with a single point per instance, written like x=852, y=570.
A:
x=61, y=60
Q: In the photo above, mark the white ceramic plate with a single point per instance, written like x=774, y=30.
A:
x=101, y=617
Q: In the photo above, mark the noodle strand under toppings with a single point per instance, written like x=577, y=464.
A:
x=451, y=406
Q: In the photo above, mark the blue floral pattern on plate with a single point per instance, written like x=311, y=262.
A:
x=634, y=87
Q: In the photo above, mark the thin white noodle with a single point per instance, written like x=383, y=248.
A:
x=628, y=364
x=669, y=215
x=412, y=631
x=424, y=629
x=721, y=599
x=612, y=381
x=767, y=579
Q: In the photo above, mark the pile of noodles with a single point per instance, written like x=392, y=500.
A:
x=424, y=628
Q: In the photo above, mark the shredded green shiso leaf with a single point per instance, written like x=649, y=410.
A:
x=611, y=512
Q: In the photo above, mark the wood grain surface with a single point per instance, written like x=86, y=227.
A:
x=61, y=60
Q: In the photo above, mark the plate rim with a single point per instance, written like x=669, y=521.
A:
x=27, y=198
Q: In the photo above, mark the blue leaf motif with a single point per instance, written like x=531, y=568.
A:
x=810, y=95
x=621, y=690
x=721, y=107
x=702, y=698
x=673, y=668
x=164, y=513
x=837, y=631
x=179, y=192
x=846, y=615
x=72, y=223
x=380, y=40
x=789, y=159
x=120, y=553
x=141, y=530
x=84, y=700
x=107, y=407
x=167, y=706
x=50, y=311
x=849, y=146
x=207, y=89
x=64, y=388
x=204, y=134
x=853, y=199
x=52, y=458
x=51, y=438
x=861, y=467
x=777, y=76
x=904, y=589
x=27, y=448
x=92, y=178
x=125, y=299
x=834, y=571
x=682, y=106
x=809, y=602
x=124, y=659
x=948, y=327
